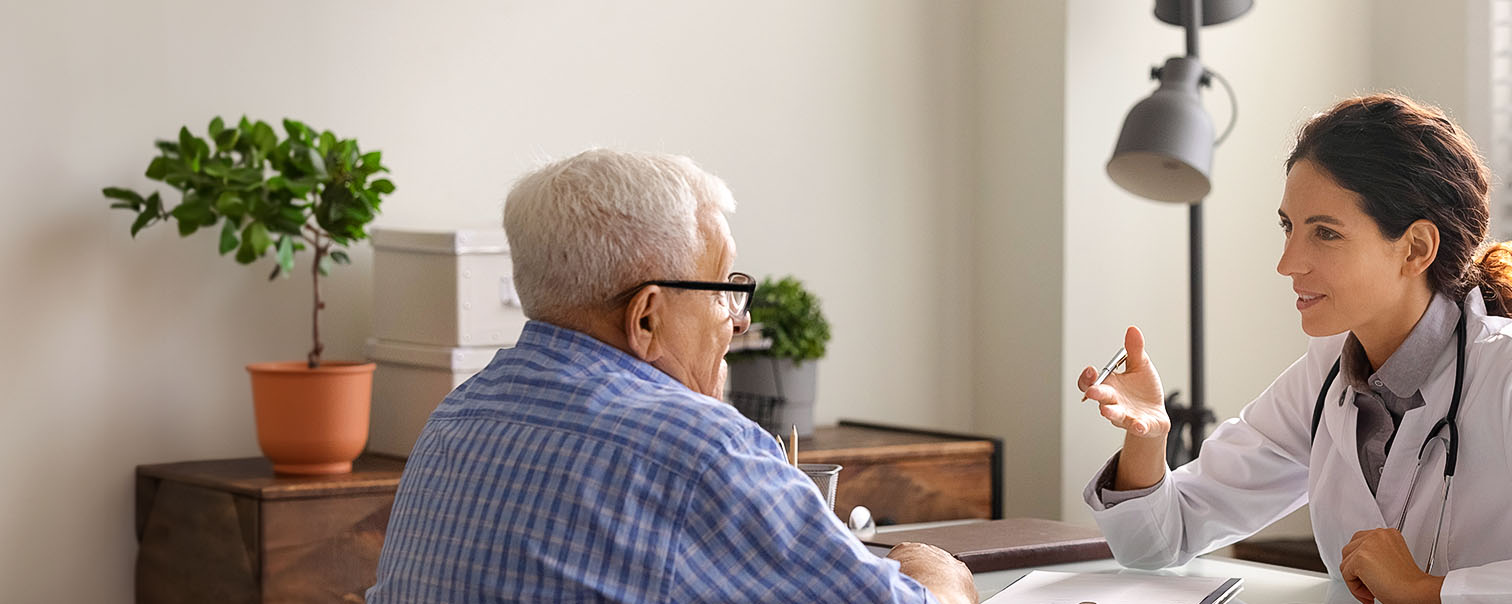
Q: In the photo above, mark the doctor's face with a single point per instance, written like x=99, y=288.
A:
x=1347, y=275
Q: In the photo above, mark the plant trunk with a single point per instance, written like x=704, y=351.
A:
x=320, y=252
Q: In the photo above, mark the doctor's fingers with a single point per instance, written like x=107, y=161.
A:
x=1119, y=416
x=1134, y=345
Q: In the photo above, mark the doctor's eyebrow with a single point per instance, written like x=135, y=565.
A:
x=1323, y=218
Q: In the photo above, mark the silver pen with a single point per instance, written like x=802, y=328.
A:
x=1107, y=370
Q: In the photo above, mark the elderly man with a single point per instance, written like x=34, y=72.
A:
x=593, y=461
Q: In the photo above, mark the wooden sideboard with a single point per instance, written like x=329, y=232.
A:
x=905, y=475
x=231, y=531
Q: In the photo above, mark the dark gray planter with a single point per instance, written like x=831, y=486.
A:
x=775, y=393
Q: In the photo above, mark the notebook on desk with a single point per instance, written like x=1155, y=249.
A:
x=1007, y=543
x=1049, y=587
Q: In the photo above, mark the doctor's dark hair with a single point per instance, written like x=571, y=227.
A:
x=1407, y=161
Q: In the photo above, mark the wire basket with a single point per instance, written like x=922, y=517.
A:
x=825, y=477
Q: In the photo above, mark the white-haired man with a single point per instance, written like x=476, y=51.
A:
x=592, y=461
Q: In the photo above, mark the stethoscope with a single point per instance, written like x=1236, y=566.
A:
x=1448, y=426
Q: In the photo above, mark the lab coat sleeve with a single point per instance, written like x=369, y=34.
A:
x=1252, y=471
x=1485, y=584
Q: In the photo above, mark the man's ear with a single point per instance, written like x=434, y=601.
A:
x=643, y=323
x=1422, y=240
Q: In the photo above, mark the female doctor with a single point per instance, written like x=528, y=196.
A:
x=1384, y=214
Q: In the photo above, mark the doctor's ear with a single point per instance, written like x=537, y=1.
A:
x=1422, y=241
x=642, y=322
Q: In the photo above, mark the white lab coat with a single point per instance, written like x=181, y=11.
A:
x=1259, y=467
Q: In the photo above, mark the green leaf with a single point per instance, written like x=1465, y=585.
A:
x=257, y=235
x=228, y=240
x=264, y=137
x=382, y=185
x=317, y=164
x=216, y=125
x=185, y=141
x=327, y=142
x=296, y=129
x=128, y=197
x=230, y=204
x=141, y=222
x=227, y=139
x=217, y=168
x=154, y=204
x=245, y=254
x=324, y=266
x=371, y=161
x=286, y=253
x=158, y=168
x=340, y=257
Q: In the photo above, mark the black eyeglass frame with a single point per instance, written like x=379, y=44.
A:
x=749, y=287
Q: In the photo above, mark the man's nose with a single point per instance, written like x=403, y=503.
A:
x=742, y=323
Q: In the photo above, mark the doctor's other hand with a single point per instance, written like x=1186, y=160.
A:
x=1132, y=400
x=1378, y=566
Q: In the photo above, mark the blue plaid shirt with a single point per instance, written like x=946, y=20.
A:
x=569, y=471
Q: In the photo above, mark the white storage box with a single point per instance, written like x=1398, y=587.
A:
x=410, y=381
x=444, y=288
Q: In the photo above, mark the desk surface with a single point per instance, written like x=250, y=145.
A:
x=1263, y=583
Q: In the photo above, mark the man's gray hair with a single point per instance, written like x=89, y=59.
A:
x=585, y=228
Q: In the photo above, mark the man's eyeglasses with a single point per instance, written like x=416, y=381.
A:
x=738, y=290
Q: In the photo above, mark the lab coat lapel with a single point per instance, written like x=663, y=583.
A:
x=1402, y=460
x=1347, y=482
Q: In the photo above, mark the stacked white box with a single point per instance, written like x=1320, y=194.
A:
x=443, y=304
x=410, y=381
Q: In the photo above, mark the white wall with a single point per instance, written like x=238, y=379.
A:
x=922, y=165
x=1018, y=231
x=1125, y=258
x=841, y=126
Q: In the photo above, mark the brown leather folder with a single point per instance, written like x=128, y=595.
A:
x=1007, y=543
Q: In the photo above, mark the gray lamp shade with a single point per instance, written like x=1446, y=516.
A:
x=1165, y=150
x=1213, y=11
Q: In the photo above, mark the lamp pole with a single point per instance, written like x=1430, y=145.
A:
x=1197, y=414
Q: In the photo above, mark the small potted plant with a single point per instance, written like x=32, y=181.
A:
x=309, y=190
x=774, y=380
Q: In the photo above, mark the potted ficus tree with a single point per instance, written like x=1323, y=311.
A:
x=308, y=190
x=775, y=381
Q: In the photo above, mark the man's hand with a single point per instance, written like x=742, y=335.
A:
x=1378, y=565
x=939, y=572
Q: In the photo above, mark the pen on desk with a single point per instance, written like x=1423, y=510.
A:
x=1113, y=363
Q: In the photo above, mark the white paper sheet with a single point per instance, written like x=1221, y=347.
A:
x=1050, y=587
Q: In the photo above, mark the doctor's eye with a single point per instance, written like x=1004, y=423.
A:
x=1328, y=234
x=1285, y=226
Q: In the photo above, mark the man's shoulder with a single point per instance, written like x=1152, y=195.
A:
x=656, y=419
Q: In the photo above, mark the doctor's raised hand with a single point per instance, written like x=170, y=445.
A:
x=1133, y=401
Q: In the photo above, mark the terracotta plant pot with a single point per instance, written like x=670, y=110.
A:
x=312, y=421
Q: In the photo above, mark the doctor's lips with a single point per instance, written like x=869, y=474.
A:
x=1306, y=299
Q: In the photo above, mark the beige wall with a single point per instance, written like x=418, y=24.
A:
x=1126, y=258
x=1019, y=230
x=840, y=126
x=932, y=169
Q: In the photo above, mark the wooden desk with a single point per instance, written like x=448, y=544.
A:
x=905, y=475
x=231, y=531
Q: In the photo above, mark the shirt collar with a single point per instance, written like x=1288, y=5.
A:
x=580, y=349
x=1408, y=368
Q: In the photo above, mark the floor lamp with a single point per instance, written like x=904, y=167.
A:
x=1165, y=153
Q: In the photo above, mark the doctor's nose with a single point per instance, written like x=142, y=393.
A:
x=1290, y=262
